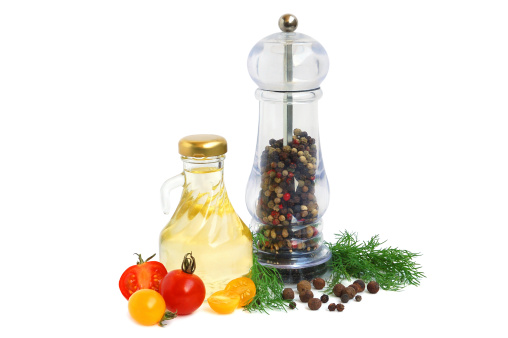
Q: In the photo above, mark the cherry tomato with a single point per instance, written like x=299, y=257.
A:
x=147, y=307
x=183, y=291
x=244, y=287
x=224, y=302
x=143, y=275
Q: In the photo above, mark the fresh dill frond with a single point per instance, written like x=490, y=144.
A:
x=392, y=268
x=269, y=285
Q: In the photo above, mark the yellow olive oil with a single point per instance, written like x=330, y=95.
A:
x=206, y=224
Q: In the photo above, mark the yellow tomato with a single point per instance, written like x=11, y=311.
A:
x=224, y=302
x=244, y=287
x=147, y=306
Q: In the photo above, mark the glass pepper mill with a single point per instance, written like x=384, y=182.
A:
x=288, y=193
x=204, y=221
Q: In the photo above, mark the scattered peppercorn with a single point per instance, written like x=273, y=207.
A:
x=288, y=293
x=351, y=292
x=314, y=304
x=332, y=307
x=358, y=298
x=318, y=283
x=357, y=287
x=292, y=305
x=306, y=295
x=373, y=287
x=324, y=298
x=303, y=285
x=361, y=283
x=340, y=307
x=337, y=289
x=345, y=298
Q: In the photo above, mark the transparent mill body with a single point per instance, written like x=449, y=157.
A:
x=206, y=224
x=288, y=192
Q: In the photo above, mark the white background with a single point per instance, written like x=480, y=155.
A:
x=94, y=96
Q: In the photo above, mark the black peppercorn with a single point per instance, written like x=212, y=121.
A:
x=337, y=289
x=340, y=307
x=373, y=287
x=324, y=298
x=344, y=298
x=303, y=285
x=292, y=305
x=306, y=295
x=314, y=304
x=358, y=298
x=361, y=283
x=288, y=293
x=332, y=307
x=318, y=283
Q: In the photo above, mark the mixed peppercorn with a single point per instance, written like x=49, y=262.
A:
x=287, y=204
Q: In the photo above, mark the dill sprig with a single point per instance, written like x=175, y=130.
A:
x=269, y=285
x=392, y=268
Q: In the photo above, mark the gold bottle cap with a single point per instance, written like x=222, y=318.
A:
x=202, y=145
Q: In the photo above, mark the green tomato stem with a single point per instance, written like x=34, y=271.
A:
x=168, y=315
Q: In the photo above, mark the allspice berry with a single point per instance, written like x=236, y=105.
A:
x=332, y=307
x=288, y=293
x=345, y=298
x=337, y=289
x=324, y=298
x=303, y=285
x=373, y=287
x=351, y=292
x=358, y=298
x=340, y=307
x=318, y=283
x=292, y=305
x=314, y=304
x=306, y=295
x=361, y=283
x=357, y=287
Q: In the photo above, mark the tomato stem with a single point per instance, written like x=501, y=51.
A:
x=189, y=264
x=141, y=261
x=168, y=315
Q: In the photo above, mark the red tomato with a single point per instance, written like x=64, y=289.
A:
x=183, y=291
x=143, y=275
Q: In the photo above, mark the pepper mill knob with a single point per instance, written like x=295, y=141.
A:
x=288, y=61
x=288, y=23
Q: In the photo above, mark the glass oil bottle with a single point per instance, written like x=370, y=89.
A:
x=204, y=221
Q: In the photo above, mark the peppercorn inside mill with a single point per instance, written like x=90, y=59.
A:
x=288, y=193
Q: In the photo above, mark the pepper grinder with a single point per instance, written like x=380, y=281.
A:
x=288, y=193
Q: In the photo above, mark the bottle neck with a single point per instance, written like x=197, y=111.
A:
x=191, y=164
x=203, y=173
